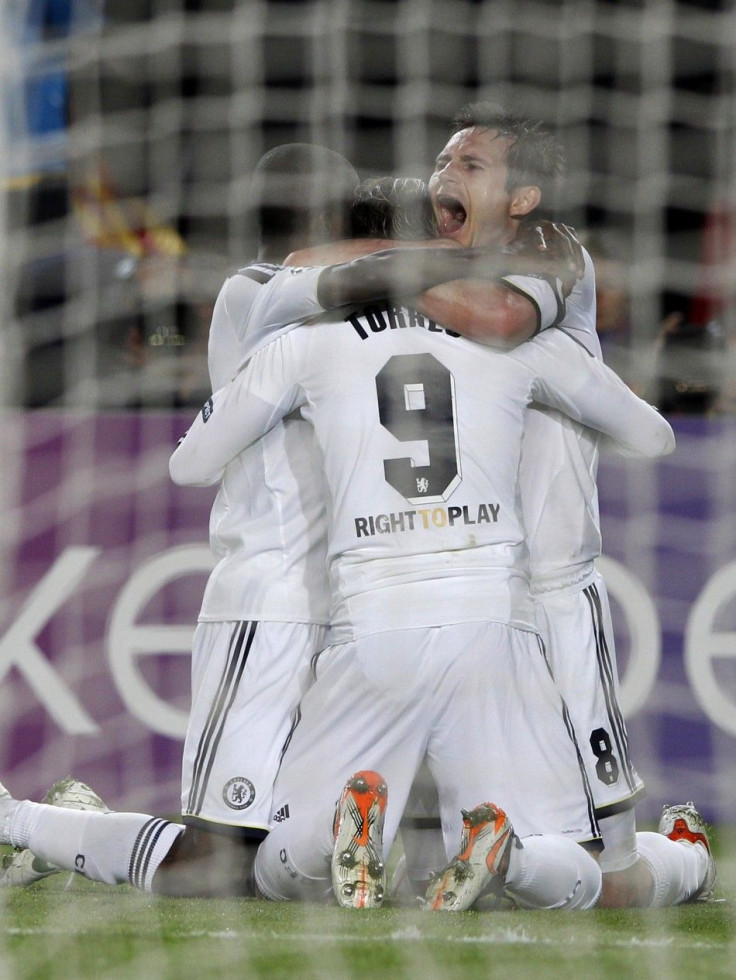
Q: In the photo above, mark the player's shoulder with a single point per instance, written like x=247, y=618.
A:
x=242, y=287
x=263, y=278
x=257, y=272
x=248, y=280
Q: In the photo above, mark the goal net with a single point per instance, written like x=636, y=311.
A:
x=128, y=134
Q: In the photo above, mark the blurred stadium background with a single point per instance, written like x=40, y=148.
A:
x=129, y=131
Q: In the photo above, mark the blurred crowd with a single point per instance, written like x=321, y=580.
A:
x=110, y=295
x=688, y=368
x=155, y=302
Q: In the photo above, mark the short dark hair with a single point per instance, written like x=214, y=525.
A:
x=293, y=181
x=535, y=156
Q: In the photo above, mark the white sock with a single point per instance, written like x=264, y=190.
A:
x=8, y=809
x=108, y=847
x=551, y=872
x=277, y=878
x=678, y=867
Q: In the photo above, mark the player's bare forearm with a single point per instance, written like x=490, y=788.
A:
x=459, y=288
x=486, y=312
x=398, y=273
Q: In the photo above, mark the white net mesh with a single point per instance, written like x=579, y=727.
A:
x=131, y=129
x=129, y=134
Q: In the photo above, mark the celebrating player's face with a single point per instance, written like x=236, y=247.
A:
x=468, y=189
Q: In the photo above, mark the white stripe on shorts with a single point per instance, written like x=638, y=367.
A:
x=605, y=670
x=240, y=644
x=590, y=802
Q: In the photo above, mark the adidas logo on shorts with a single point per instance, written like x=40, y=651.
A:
x=281, y=814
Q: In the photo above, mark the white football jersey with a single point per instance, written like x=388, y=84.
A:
x=559, y=465
x=420, y=434
x=559, y=457
x=267, y=525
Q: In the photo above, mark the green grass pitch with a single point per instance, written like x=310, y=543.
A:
x=68, y=929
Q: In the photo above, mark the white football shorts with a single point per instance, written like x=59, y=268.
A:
x=576, y=627
x=476, y=699
x=247, y=680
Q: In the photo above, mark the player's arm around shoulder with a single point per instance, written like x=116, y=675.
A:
x=568, y=377
x=486, y=312
x=253, y=307
x=535, y=278
x=264, y=390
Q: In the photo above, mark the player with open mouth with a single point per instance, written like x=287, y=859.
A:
x=470, y=190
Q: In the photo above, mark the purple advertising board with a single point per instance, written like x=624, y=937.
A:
x=105, y=560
